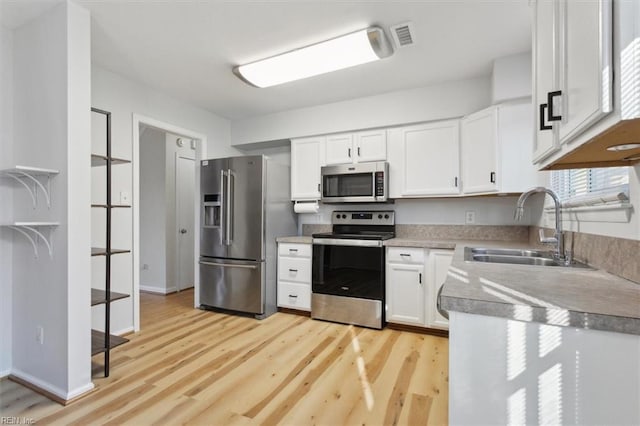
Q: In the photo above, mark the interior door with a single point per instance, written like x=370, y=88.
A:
x=245, y=208
x=185, y=205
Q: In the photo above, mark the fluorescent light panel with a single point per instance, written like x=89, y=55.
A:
x=342, y=52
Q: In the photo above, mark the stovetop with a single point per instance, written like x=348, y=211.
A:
x=364, y=235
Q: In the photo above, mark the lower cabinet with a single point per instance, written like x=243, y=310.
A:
x=294, y=276
x=413, y=277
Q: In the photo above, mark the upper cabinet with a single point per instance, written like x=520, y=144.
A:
x=307, y=156
x=580, y=108
x=346, y=148
x=495, y=150
x=424, y=160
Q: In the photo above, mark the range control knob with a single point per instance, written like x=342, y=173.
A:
x=337, y=216
x=344, y=216
x=379, y=216
x=386, y=216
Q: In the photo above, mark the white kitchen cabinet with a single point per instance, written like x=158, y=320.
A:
x=438, y=266
x=307, y=156
x=359, y=147
x=294, y=276
x=405, y=285
x=495, y=150
x=413, y=277
x=424, y=160
x=572, y=44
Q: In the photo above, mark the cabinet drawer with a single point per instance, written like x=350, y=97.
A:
x=295, y=296
x=405, y=255
x=294, y=250
x=297, y=270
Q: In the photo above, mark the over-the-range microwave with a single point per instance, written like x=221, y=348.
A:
x=355, y=183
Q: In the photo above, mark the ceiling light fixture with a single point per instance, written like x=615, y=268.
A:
x=623, y=147
x=338, y=53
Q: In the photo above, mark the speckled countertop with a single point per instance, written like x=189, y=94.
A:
x=575, y=297
x=300, y=239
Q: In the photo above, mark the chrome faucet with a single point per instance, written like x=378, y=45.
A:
x=557, y=238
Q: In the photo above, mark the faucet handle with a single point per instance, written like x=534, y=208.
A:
x=547, y=240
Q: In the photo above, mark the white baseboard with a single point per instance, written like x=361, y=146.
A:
x=54, y=390
x=157, y=290
x=4, y=373
x=123, y=331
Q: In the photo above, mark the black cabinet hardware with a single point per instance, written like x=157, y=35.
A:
x=420, y=277
x=455, y=181
x=349, y=152
x=295, y=296
x=492, y=177
x=542, y=114
x=550, y=96
x=358, y=151
x=293, y=270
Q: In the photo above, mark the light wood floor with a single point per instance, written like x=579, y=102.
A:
x=196, y=367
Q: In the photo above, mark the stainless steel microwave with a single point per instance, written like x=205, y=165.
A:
x=355, y=183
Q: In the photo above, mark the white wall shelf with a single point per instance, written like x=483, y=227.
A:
x=30, y=175
x=33, y=232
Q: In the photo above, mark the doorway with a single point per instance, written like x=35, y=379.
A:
x=165, y=211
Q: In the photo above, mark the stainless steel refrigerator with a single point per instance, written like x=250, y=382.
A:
x=245, y=206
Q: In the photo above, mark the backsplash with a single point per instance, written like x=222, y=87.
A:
x=618, y=256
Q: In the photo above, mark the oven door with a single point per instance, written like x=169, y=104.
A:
x=351, y=268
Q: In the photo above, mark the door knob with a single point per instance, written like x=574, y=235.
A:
x=183, y=231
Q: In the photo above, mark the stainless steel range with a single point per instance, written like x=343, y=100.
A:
x=348, y=268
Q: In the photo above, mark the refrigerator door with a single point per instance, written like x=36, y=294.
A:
x=234, y=285
x=245, y=208
x=213, y=196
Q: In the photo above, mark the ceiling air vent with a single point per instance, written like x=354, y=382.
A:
x=403, y=34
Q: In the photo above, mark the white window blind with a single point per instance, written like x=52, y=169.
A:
x=583, y=187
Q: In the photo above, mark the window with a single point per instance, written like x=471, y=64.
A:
x=587, y=187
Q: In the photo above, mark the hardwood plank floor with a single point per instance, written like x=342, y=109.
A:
x=188, y=366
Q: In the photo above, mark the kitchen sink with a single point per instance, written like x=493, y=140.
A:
x=516, y=257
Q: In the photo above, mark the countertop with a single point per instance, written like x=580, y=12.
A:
x=575, y=297
x=298, y=239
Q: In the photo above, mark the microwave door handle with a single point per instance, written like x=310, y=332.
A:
x=223, y=200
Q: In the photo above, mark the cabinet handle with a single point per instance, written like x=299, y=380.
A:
x=318, y=187
x=420, y=277
x=358, y=151
x=295, y=296
x=293, y=270
x=455, y=181
x=542, y=114
x=349, y=152
x=405, y=254
x=492, y=177
x=550, y=96
x=293, y=249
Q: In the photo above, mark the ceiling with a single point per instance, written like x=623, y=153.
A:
x=187, y=48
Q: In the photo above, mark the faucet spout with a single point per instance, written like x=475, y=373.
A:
x=557, y=239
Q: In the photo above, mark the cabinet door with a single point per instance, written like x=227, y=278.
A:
x=545, y=59
x=371, y=146
x=405, y=294
x=430, y=159
x=478, y=141
x=439, y=262
x=339, y=149
x=307, y=156
x=585, y=73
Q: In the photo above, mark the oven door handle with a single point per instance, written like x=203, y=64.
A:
x=346, y=242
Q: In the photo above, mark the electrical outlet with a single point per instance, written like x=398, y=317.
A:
x=40, y=334
x=124, y=197
x=470, y=217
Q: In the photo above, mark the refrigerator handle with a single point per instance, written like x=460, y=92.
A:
x=223, y=199
x=230, y=200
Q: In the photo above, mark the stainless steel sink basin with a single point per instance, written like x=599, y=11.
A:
x=516, y=257
x=510, y=252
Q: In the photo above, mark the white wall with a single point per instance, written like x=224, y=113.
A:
x=511, y=78
x=447, y=100
x=153, y=204
x=6, y=195
x=51, y=129
x=124, y=97
x=171, y=227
